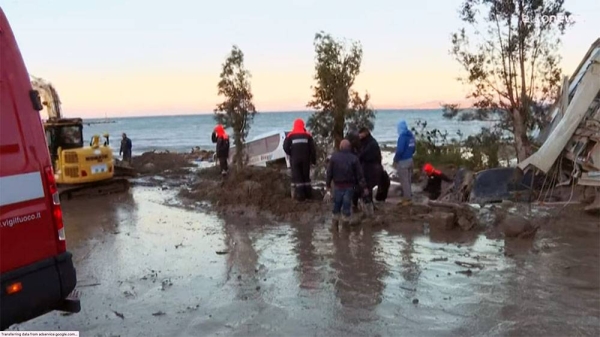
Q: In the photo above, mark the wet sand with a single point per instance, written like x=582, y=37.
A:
x=149, y=267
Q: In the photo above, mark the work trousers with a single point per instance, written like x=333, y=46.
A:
x=302, y=189
x=223, y=164
x=405, y=171
x=127, y=156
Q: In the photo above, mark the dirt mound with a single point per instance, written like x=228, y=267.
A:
x=162, y=162
x=264, y=189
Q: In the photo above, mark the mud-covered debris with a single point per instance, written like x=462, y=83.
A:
x=129, y=294
x=166, y=283
x=513, y=226
x=158, y=313
x=444, y=220
x=118, y=314
x=469, y=265
x=439, y=259
x=88, y=285
x=160, y=162
x=261, y=188
x=153, y=275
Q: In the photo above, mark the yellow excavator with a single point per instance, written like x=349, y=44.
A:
x=79, y=169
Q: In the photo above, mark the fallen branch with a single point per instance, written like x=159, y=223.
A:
x=469, y=265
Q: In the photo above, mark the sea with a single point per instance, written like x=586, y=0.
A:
x=185, y=132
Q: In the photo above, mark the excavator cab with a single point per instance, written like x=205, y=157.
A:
x=73, y=162
x=78, y=169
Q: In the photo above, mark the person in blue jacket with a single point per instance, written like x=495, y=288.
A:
x=403, y=159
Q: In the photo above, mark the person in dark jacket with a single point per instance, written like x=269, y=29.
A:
x=220, y=137
x=345, y=172
x=434, y=181
x=126, y=149
x=300, y=146
x=353, y=137
x=403, y=159
x=370, y=160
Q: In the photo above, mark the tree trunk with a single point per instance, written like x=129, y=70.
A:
x=239, y=150
x=338, y=128
x=522, y=145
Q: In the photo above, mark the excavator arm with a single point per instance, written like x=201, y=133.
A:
x=48, y=95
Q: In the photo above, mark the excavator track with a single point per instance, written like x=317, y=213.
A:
x=114, y=185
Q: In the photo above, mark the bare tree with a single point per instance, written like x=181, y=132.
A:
x=509, y=50
x=237, y=110
x=334, y=101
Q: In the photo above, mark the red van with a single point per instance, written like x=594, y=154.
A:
x=36, y=270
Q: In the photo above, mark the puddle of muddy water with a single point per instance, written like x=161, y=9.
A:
x=149, y=267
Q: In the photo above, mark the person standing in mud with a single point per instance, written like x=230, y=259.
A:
x=434, y=181
x=300, y=146
x=345, y=172
x=370, y=160
x=403, y=159
x=125, y=150
x=220, y=137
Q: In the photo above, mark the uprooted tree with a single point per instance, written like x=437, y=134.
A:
x=237, y=110
x=509, y=51
x=334, y=102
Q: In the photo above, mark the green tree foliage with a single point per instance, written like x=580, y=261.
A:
x=334, y=101
x=237, y=110
x=508, y=49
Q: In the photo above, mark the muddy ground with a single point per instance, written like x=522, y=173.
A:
x=151, y=263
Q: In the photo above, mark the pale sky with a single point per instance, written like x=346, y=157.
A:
x=147, y=57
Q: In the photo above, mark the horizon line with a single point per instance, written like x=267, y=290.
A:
x=258, y=112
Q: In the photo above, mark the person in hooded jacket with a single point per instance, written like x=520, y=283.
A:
x=300, y=146
x=370, y=160
x=220, y=137
x=403, y=159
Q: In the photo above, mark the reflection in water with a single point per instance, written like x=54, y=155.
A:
x=90, y=218
x=359, y=284
x=242, y=260
x=308, y=260
x=411, y=268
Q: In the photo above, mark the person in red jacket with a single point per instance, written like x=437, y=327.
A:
x=220, y=137
x=434, y=181
x=300, y=146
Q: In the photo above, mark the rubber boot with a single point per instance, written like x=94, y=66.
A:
x=369, y=209
x=346, y=220
x=335, y=222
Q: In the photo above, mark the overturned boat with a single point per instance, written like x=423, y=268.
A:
x=264, y=149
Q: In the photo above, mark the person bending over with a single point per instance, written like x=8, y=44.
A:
x=434, y=181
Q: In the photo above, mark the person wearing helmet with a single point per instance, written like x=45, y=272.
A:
x=220, y=137
x=300, y=146
x=434, y=181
